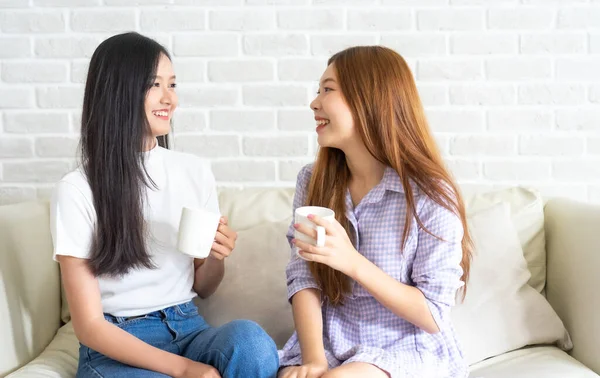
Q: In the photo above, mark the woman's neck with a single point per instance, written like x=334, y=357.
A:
x=365, y=173
x=365, y=170
x=150, y=144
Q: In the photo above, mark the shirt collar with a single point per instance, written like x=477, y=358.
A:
x=391, y=180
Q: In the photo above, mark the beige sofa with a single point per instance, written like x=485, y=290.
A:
x=36, y=342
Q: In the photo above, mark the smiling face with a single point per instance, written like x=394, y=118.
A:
x=161, y=99
x=335, y=125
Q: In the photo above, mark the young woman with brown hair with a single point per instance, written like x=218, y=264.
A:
x=375, y=300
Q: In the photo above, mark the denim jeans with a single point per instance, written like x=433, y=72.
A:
x=238, y=349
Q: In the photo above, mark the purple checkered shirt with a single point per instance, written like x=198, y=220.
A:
x=362, y=329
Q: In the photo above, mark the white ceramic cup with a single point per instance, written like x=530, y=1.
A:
x=301, y=217
x=197, y=231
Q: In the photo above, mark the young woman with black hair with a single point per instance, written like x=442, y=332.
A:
x=114, y=226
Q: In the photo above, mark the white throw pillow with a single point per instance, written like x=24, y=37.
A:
x=254, y=286
x=501, y=312
x=527, y=215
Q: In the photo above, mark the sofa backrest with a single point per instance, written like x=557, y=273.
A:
x=254, y=286
x=29, y=284
x=252, y=207
x=31, y=293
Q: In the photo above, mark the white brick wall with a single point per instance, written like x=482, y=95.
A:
x=511, y=87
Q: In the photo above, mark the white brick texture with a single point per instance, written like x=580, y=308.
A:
x=527, y=18
x=102, y=21
x=242, y=120
x=511, y=88
x=32, y=22
x=244, y=171
x=14, y=47
x=34, y=72
x=240, y=70
x=161, y=20
x=248, y=20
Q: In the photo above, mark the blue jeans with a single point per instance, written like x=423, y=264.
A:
x=237, y=349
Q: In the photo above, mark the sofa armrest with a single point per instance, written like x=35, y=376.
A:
x=58, y=360
x=573, y=276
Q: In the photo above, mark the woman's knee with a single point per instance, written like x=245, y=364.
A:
x=253, y=335
x=251, y=340
x=250, y=333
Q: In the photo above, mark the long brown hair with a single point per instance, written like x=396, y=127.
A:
x=378, y=86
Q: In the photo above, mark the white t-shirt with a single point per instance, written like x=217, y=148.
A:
x=182, y=180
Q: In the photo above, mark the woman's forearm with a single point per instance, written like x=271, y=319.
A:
x=113, y=342
x=306, y=306
x=208, y=276
x=407, y=302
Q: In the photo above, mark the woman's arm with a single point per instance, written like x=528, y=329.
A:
x=208, y=274
x=407, y=302
x=306, y=307
x=92, y=330
x=305, y=297
x=436, y=267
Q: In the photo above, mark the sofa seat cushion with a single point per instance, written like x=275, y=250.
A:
x=538, y=362
x=58, y=360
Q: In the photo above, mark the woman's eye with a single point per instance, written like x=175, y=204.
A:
x=173, y=85
x=327, y=89
x=156, y=85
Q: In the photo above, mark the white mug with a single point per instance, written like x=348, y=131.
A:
x=197, y=231
x=301, y=217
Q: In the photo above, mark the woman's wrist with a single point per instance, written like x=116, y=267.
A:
x=320, y=360
x=357, y=264
x=316, y=356
x=178, y=366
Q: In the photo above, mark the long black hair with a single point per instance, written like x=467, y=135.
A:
x=114, y=132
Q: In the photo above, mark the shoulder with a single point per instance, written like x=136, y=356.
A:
x=76, y=178
x=304, y=175
x=74, y=186
x=427, y=203
x=441, y=216
x=72, y=197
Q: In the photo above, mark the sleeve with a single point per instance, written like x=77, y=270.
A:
x=72, y=220
x=297, y=272
x=212, y=201
x=436, y=267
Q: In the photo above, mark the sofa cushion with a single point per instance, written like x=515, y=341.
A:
x=29, y=284
x=538, y=362
x=255, y=206
x=254, y=286
x=527, y=215
x=501, y=312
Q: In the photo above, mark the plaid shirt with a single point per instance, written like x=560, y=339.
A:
x=362, y=329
